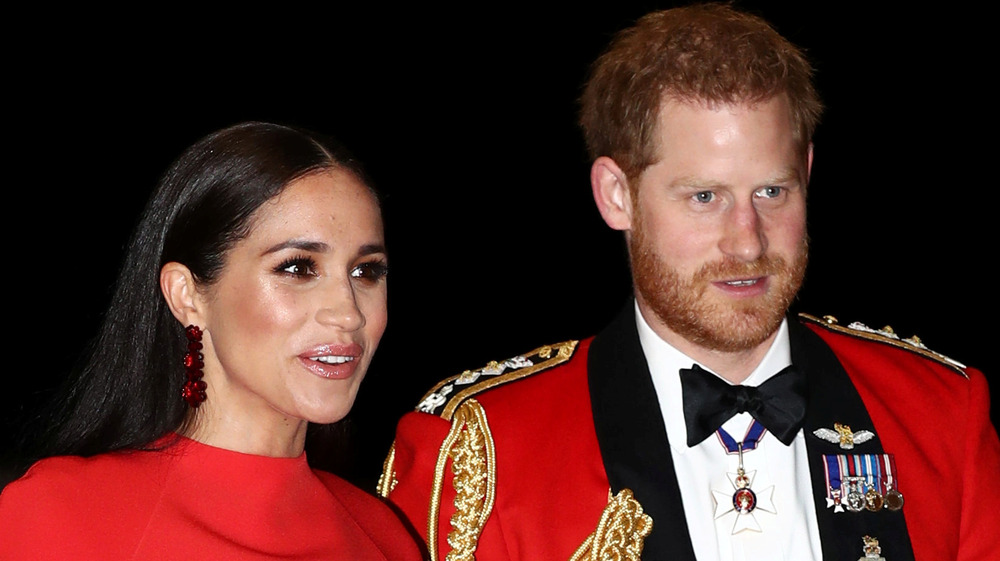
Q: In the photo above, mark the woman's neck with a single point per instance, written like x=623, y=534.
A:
x=284, y=439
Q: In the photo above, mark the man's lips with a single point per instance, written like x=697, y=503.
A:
x=743, y=287
x=743, y=282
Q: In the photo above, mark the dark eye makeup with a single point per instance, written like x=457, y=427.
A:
x=299, y=266
x=374, y=270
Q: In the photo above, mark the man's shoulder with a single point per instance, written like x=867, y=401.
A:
x=530, y=372
x=857, y=338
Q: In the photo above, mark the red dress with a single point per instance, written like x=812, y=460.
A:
x=193, y=501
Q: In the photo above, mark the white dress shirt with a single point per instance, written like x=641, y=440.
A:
x=781, y=472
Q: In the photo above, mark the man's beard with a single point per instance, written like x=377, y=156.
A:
x=684, y=307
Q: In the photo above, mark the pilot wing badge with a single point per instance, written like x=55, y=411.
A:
x=842, y=434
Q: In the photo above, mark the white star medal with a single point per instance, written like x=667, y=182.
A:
x=743, y=500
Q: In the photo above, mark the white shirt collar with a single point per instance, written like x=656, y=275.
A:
x=665, y=362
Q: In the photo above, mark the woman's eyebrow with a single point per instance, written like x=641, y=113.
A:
x=371, y=248
x=304, y=245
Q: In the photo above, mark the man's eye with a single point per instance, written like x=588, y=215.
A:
x=370, y=271
x=769, y=192
x=298, y=267
x=704, y=196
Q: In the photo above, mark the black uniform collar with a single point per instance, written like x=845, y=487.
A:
x=632, y=437
x=636, y=453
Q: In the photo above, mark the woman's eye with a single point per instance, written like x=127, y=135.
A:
x=370, y=271
x=298, y=267
x=704, y=196
x=769, y=192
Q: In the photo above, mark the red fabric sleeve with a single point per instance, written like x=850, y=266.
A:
x=980, y=515
x=419, y=438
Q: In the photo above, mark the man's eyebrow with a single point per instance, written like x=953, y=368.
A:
x=693, y=182
x=304, y=245
x=788, y=174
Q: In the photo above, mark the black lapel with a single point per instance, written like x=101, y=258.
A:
x=632, y=438
x=833, y=399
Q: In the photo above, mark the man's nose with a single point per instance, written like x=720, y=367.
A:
x=743, y=233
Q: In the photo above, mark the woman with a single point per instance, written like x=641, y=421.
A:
x=250, y=302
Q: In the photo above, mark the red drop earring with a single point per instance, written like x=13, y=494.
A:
x=193, y=391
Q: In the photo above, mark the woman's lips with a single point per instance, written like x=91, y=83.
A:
x=332, y=361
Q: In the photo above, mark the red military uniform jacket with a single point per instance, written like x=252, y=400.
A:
x=561, y=453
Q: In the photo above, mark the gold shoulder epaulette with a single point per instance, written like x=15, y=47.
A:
x=448, y=394
x=885, y=335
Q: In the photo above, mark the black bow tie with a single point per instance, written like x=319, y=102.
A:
x=779, y=403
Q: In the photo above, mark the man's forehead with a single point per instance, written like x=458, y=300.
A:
x=671, y=100
x=692, y=108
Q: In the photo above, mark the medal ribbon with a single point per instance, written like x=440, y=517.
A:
x=858, y=473
x=889, y=470
x=862, y=469
x=750, y=440
x=873, y=473
x=846, y=466
x=831, y=465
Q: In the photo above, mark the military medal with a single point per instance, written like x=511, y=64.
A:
x=855, y=493
x=892, y=498
x=873, y=500
x=856, y=482
x=855, y=499
x=834, y=480
x=743, y=501
x=873, y=496
x=871, y=549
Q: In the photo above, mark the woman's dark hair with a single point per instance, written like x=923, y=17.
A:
x=127, y=393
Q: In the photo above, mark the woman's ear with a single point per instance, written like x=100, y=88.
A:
x=181, y=293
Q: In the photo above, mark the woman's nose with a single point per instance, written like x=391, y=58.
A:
x=340, y=309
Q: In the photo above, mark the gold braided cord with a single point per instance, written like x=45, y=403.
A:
x=470, y=446
x=435, y=506
x=620, y=534
x=387, y=481
x=582, y=553
x=474, y=481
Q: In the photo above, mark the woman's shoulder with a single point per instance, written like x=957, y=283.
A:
x=62, y=476
x=373, y=517
x=69, y=499
x=78, y=474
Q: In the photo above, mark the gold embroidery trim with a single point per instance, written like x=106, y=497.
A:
x=830, y=322
x=469, y=444
x=620, y=534
x=563, y=352
x=387, y=481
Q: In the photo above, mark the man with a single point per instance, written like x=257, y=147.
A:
x=703, y=423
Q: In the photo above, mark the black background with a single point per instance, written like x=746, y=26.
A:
x=466, y=121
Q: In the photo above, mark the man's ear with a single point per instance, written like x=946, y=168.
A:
x=181, y=293
x=809, y=162
x=611, y=193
